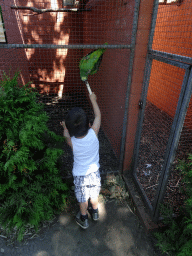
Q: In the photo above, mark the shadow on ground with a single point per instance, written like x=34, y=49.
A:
x=118, y=231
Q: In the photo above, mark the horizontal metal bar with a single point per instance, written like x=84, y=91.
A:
x=174, y=57
x=153, y=23
x=51, y=46
x=169, y=61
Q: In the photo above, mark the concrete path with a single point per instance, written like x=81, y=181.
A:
x=117, y=233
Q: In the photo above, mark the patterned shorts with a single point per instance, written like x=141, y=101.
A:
x=87, y=186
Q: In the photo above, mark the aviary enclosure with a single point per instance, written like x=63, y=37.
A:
x=142, y=112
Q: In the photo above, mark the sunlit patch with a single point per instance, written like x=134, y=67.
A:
x=59, y=73
x=64, y=219
x=25, y=19
x=61, y=53
x=36, y=37
x=123, y=211
x=33, y=86
x=60, y=92
x=29, y=53
x=119, y=239
x=64, y=39
x=60, y=20
x=102, y=211
x=54, y=4
x=41, y=253
x=29, y=4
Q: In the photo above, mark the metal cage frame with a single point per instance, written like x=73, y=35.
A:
x=172, y=59
x=184, y=98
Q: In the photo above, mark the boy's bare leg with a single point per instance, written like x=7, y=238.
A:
x=94, y=202
x=83, y=208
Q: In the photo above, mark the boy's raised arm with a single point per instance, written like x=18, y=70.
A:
x=97, y=121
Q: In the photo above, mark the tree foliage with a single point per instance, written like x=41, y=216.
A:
x=31, y=187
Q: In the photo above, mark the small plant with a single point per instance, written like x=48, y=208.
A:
x=176, y=238
x=31, y=188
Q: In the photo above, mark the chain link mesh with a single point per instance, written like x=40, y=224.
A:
x=172, y=34
x=162, y=99
x=55, y=72
x=176, y=185
x=173, y=30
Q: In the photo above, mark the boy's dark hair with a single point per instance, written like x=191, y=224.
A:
x=77, y=122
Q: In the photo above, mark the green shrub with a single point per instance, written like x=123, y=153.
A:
x=176, y=238
x=31, y=187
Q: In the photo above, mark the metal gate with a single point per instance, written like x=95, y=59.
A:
x=165, y=98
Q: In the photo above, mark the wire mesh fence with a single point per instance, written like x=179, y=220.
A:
x=82, y=22
x=56, y=34
x=175, y=196
x=171, y=41
x=44, y=26
x=162, y=99
x=173, y=29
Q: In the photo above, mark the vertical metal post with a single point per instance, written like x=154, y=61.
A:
x=132, y=54
x=181, y=111
x=141, y=115
x=133, y=41
x=145, y=83
x=139, y=131
x=153, y=23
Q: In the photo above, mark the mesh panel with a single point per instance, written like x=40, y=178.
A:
x=55, y=72
x=174, y=195
x=162, y=99
x=173, y=31
x=173, y=35
x=88, y=22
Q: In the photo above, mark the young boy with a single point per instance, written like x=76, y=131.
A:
x=84, y=142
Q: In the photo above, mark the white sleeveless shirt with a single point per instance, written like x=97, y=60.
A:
x=86, y=154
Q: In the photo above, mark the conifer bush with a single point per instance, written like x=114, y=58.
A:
x=31, y=189
x=176, y=238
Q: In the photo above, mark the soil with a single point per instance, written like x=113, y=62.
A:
x=154, y=138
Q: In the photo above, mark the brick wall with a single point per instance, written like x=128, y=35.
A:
x=52, y=70
x=13, y=60
x=57, y=70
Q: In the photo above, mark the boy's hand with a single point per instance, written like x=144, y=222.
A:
x=63, y=124
x=93, y=97
x=66, y=132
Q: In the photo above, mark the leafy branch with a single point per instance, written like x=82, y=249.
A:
x=41, y=11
